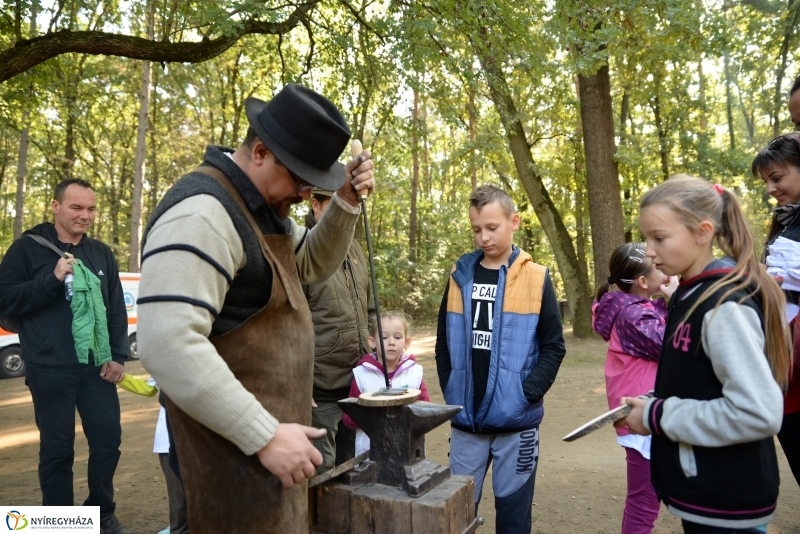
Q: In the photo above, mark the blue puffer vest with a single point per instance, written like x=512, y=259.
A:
x=515, y=347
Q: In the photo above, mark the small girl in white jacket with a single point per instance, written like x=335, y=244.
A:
x=403, y=370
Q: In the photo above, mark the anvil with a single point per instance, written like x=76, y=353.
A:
x=397, y=442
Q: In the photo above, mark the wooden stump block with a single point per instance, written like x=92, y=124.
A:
x=378, y=509
x=333, y=508
x=447, y=509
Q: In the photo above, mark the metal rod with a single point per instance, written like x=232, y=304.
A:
x=375, y=291
x=338, y=470
x=355, y=151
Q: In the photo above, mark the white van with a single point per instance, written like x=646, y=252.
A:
x=12, y=365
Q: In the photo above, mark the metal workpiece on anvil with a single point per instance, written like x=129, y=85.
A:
x=397, y=443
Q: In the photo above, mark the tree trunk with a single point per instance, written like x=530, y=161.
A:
x=729, y=100
x=793, y=17
x=471, y=113
x=749, y=117
x=624, y=109
x=22, y=173
x=624, y=112
x=412, y=231
x=24, y=143
x=141, y=152
x=702, y=96
x=70, y=103
x=602, y=173
x=661, y=128
x=580, y=226
x=154, y=194
x=576, y=280
x=426, y=161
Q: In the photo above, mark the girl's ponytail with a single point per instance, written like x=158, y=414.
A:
x=602, y=289
x=736, y=240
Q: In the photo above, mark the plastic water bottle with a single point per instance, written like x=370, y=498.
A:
x=68, y=285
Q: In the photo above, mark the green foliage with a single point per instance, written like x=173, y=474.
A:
x=667, y=60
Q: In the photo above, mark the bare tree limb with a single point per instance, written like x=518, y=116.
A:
x=56, y=16
x=18, y=21
x=28, y=53
x=283, y=61
x=311, y=44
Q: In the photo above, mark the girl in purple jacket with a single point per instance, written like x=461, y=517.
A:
x=633, y=324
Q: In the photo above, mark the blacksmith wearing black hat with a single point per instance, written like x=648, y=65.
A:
x=223, y=324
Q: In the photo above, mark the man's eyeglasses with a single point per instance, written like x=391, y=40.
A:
x=300, y=184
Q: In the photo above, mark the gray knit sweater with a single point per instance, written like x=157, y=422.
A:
x=174, y=335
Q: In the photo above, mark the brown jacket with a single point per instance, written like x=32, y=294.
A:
x=342, y=309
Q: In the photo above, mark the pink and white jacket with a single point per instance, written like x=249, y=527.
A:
x=634, y=328
x=368, y=376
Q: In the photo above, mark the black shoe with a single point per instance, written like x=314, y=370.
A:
x=111, y=525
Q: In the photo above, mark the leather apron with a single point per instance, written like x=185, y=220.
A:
x=272, y=355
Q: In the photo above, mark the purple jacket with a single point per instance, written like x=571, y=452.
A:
x=640, y=323
x=634, y=327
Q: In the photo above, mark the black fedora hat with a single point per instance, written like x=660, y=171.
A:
x=305, y=131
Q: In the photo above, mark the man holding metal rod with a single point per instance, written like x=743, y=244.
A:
x=223, y=323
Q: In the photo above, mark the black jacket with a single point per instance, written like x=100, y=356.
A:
x=30, y=291
x=791, y=232
x=733, y=483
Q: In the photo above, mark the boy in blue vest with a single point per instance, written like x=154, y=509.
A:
x=499, y=345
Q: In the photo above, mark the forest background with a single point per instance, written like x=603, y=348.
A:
x=574, y=107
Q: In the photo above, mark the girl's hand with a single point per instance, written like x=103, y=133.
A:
x=634, y=419
x=669, y=287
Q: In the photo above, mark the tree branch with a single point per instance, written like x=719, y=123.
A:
x=362, y=21
x=311, y=44
x=56, y=16
x=18, y=22
x=27, y=54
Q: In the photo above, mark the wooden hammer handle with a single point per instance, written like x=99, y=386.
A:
x=355, y=150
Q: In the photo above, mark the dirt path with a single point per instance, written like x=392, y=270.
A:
x=580, y=486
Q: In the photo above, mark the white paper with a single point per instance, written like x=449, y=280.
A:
x=791, y=311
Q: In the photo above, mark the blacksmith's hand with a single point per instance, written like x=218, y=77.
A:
x=290, y=455
x=63, y=267
x=634, y=419
x=112, y=372
x=358, y=178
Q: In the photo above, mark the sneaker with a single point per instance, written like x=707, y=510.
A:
x=111, y=525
